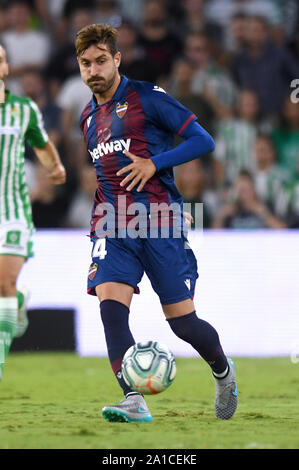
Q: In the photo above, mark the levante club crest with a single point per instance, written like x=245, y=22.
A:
x=121, y=109
x=92, y=271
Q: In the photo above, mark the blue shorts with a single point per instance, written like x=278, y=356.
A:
x=170, y=266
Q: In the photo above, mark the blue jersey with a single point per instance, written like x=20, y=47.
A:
x=143, y=119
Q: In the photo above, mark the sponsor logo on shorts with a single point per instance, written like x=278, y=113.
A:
x=92, y=271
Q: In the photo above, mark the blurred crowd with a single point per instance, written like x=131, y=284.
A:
x=234, y=63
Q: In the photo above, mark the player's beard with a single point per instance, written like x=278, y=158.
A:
x=103, y=85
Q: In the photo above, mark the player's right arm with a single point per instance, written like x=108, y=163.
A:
x=43, y=147
x=49, y=158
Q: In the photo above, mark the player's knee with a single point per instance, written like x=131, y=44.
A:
x=181, y=327
x=8, y=286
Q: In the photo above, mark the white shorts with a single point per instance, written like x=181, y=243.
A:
x=15, y=240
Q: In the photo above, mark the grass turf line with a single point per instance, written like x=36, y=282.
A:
x=54, y=401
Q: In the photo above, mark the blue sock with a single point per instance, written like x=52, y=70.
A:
x=115, y=318
x=203, y=337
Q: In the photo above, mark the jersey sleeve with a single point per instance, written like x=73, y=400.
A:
x=36, y=133
x=169, y=113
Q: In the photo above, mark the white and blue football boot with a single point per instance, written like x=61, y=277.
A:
x=226, y=400
x=132, y=409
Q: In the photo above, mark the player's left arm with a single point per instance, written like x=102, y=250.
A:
x=167, y=113
x=197, y=142
x=43, y=147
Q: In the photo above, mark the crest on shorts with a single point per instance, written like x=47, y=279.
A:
x=92, y=271
x=13, y=237
x=121, y=109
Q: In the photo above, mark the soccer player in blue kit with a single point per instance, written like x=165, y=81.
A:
x=128, y=127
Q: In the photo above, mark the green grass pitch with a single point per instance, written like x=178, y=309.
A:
x=54, y=401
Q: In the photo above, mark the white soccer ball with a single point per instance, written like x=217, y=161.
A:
x=148, y=367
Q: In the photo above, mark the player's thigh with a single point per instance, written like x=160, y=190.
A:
x=172, y=270
x=178, y=309
x=115, y=291
x=115, y=270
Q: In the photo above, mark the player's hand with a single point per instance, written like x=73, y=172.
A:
x=188, y=219
x=141, y=170
x=58, y=174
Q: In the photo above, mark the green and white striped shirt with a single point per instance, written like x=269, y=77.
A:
x=235, y=139
x=20, y=120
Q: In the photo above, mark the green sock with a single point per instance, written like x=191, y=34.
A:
x=8, y=320
x=21, y=299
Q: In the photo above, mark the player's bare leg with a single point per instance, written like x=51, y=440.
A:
x=115, y=300
x=10, y=267
x=205, y=340
x=178, y=309
x=115, y=291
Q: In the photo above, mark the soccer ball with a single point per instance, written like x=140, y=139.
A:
x=148, y=367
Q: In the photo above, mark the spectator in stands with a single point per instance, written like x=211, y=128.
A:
x=107, y=12
x=72, y=99
x=236, y=39
x=160, y=44
x=270, y=179
x=286, y=138
x=49, y=202
x=63, y=64
x=235, y=138
x=134, y=63
x=55, y=14
x=133, y=9
x=288, y=204
x=264, y=67
x=49, y=11
x=222, y=11
x=289, y=13
x=179, y=85
x=209, y=79
x=79, y=213
x=191, y=182
x=194, y=20
x=246, y=210
x=34, y=85
x=25, y=47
